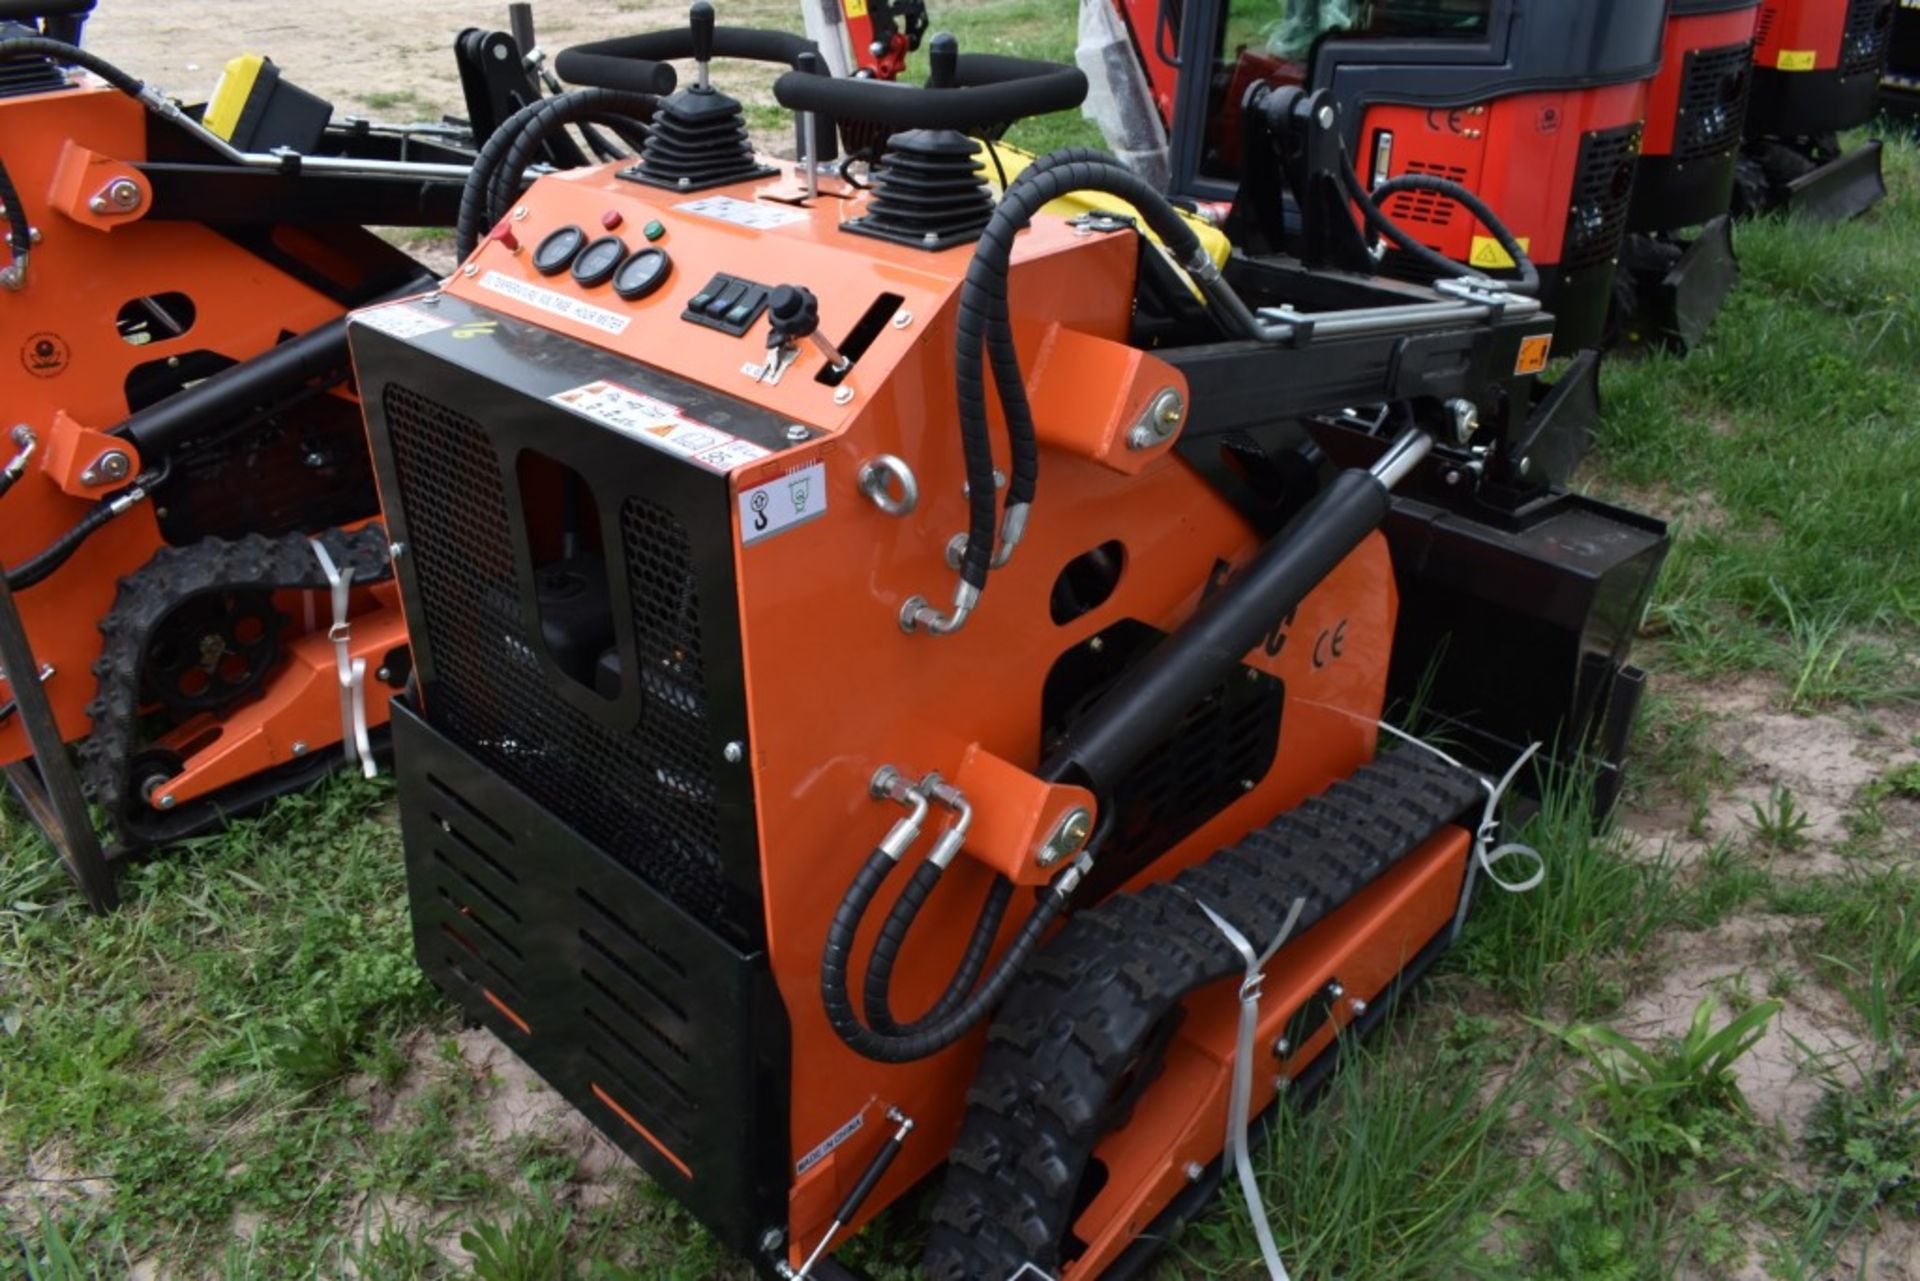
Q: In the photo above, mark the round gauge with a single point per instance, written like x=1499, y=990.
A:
x=643, y=273
x=599, y=260
x=555, y=254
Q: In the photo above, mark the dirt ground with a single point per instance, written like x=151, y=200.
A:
x=382, y=61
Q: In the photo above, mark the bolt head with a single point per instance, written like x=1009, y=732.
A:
x=1195, y=1171
x=98, y=204
x=901, y=319
x=843, y=396
x=1069, y=837
x=384, y=674
x=299, y=747
x=1358, y=1006
x=1097, y=644
x=520, y=214
x=772, y=1239
x=1524, y=466
x=1325, y=117
x=796, y=433
x=396, y=550
x=735, y=752
x=166, y=801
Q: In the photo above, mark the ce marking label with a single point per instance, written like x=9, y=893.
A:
x=1330, y=646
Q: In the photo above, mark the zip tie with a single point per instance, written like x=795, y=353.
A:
x=1486, y=855
x=1240, y=1103
x=354, y=741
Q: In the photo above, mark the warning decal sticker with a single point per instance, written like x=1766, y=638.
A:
x=1533, y=354
x=401, y=319
x=647, y=418
x=1487, y=252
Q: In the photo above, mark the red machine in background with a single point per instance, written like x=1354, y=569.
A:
x=1673, y=284
x=866, y=37
x=1816, y=74
x=1900, y=79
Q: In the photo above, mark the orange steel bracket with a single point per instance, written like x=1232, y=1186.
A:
x=1013, y=815
x=86, y=463
x=98, y=191
x=1118, y=406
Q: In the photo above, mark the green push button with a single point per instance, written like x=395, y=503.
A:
x=654, y=230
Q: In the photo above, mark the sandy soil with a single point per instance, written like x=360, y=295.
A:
x=384, y=61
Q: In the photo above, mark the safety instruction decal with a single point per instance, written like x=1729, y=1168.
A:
x=610, y=322
x=654, y=421
x=1489, y=253
x=778, y=505
x=744, y=213
x=401, y=320
x=1533, y=354
x=1796, y=59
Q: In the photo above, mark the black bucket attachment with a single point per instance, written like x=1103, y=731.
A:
x=1675, y=288
x=1518, y=632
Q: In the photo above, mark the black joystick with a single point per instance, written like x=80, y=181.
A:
x=700, y=20
x=943, y=62
x=793, y=313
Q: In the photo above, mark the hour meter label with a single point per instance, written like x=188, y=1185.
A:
x=744, y=213
x=400, y=319
x=661, y=424
x=778, y=505
x=600, y=318
x=828, y=1144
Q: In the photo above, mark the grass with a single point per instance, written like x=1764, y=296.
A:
x=242, y=1074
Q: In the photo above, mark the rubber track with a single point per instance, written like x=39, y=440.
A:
x=172, y=577
x=1075, y=1017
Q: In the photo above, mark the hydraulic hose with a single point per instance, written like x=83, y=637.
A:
x=930, y=1035
x=985, y=332
x=37, y=569
x=478, y=210
x=19, y=233
x=72, y=55
x=512, y=171
x=893, y=934
x=1380, y=224
x=17, y=466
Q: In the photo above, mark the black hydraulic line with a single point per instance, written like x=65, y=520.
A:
x=477, y=206
x=1377, y=220
x=985, y=332
x=71, y=55
x=1135, y=715
x=37, y=569
x=927, y=1036
x=511, y=174
x=19, y=234
x=893, y=934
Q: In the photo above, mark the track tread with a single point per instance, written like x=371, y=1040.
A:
x=172, y=577
x=1083, y=1006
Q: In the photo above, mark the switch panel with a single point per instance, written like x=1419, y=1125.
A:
x=728, y=304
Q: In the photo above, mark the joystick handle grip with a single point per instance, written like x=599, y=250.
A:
x=700, y=20
x=943, y=62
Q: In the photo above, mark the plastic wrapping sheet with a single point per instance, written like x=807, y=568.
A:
x=1119, y=97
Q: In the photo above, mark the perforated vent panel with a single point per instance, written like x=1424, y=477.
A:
x=1713, y=101
x=1602, y=187
x=644, y=794
x=1426, y=207
x=1864, y=46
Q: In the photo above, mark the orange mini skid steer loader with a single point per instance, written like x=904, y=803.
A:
x=194, y=590
x=892, y=663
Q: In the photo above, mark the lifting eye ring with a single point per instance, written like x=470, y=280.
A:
x=890, y=483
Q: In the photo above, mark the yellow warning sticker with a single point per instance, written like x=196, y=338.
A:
x=856, y=8
x=1533, y=354
x=1795, y=60
x=1487, y=252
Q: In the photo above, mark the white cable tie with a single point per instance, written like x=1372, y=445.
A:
x=355, y=744
x=1240, y=1103
x=1487, y=856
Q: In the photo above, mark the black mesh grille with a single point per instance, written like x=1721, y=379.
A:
x=1427, y=207
x=1602, y=187
x=644, y=795
x=1713, y=101
x=1864, y=46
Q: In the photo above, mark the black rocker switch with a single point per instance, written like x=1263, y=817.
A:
x=793, y=313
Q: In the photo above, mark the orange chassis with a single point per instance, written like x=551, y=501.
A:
x=818, y=609
x=69, y=386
